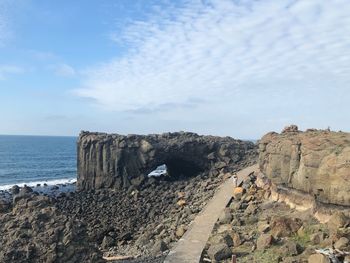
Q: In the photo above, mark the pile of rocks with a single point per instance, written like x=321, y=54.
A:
x=255, y=229
x=142, y=221
x=33, y=230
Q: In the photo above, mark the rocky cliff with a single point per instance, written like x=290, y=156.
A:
x=316, y=162
x=115, y=161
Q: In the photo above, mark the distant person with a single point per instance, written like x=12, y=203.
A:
x=235, y=180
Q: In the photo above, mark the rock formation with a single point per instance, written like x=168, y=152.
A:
x=316, y=162
x=118, y=161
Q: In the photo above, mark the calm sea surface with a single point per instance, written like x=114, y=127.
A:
x=36, y=159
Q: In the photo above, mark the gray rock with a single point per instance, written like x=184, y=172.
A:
x=107, y=242
x=225, y=217
x=15, y=189
x=4, y=205
x=159, y=247
x=219, y=252
x=222, y=238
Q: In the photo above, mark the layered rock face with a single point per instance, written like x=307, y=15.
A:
x=115, y=161
x=316, y=162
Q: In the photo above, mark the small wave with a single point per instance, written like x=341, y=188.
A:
x=35, y=183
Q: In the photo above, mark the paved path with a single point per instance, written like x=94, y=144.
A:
x=189, y=248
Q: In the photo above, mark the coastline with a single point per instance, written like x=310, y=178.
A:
x=51, y=188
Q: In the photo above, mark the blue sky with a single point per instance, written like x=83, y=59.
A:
x=237, y=68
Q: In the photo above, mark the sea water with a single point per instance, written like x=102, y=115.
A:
x=33, y=160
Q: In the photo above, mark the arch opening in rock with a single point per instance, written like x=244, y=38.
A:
x=178, y=168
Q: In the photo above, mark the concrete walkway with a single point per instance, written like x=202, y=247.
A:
x=189, y=248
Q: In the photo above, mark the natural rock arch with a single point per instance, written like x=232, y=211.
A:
x=115, y=161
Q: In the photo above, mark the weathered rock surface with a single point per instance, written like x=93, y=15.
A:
x=316, y=162
x=118, y=161
x=35, y=231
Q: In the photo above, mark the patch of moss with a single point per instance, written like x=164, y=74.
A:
x=270, y=255
x=302, y=239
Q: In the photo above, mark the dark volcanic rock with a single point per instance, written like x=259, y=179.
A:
x=35, y=231
x=118, y=161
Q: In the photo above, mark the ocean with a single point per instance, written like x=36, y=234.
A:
x=33, y=160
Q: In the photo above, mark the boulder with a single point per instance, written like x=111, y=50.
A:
x=107, y=242
x=219, y=252
x=14, y=189
x=338, y=220
x=341, y=243
x=4, y=205
x=317, y=238
x=290, y=248
x=238, y=192
x=226, y=216
x=222, y=238
x=159, y=247
x=284, y=226
x=263, y=227
x=236, y=239
x=264, y=241
x=180, y=231
x=318, y=258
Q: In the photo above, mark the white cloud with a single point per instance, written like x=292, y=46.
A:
x=6, y=70
x=224, y=52
x=64, y=70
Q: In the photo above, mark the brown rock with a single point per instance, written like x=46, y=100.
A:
x=284, y=227
x=317, y=238
x=290, y=248
x=238, y=192
x=291, y=128
x=341, y=243
x=180, y=231
x=263, y=227
x=264, y=241
x=181, y=202
x=337, y=220
x=318, y=258
x=314, y=162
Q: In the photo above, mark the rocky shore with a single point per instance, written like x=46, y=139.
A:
x=294, y=210
x=138, y=223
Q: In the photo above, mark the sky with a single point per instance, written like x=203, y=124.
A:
x=237, y=68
